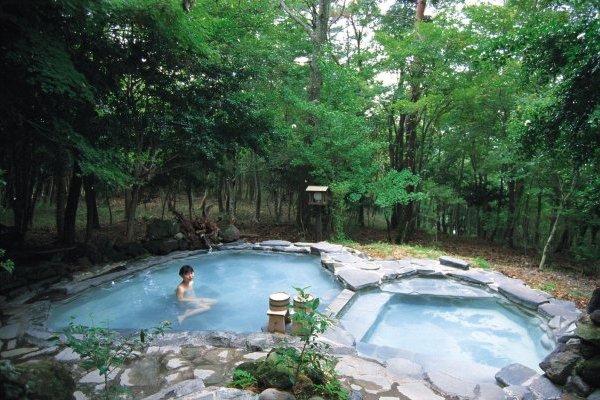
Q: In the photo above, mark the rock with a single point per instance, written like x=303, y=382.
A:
x=473, y=276
x=372, y=375
x=567, y=310
x=416, y=390
x=259, y=341
x=95, y=377
x=179, y=236
x=175, y=363
x=326, y=247
x=17, y=352
x=577, y=385
x=489, y=391
x=514, y=392
x=589, y=333
x=514, y=374
x=79, y=396
x=276, y=243
x=523, y=295
x=12, y=344
x=274, y=394
x=542, y=388
x=234, y=394
x=454, y=262
x=230, y=234
x=143, y=372
x=44, y=351
x=559, y=364
x=180, y=389
x=256, y=355
x=595, y=317
x=594, y=303
x=357, y=279
x=401, y=367
x=161, y=229
x=450, y=386
x=10, y=331
x=589, y=371
x=67, y=354
x=203, y=373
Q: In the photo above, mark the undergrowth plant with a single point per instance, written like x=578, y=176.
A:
x=105, y=350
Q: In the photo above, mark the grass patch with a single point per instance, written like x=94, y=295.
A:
x=388, y=250
x=481, y=263
x=549, y=287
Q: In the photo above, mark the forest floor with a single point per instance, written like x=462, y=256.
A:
x=563, y=278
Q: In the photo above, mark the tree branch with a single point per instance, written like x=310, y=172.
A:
x=296, y=17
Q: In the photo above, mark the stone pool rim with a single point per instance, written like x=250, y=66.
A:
x=354, y=269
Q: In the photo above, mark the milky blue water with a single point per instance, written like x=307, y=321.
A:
x=472, y=337
x=239, y=281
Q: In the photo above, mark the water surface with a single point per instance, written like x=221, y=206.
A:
x=240, y=282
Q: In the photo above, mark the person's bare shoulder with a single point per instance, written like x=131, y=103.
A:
x=180, y=291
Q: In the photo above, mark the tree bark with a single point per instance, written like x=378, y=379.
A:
x=257, y=194
x=70, y=228
x=190, y=199
x=92, y=220
x=131, y=202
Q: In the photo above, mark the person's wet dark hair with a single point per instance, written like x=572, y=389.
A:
x=185, y=269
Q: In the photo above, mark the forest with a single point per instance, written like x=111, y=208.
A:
x=447, y=118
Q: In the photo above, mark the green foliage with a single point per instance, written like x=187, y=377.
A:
x=242, y=379
x=549, y=287
x=103, y=349
x=5, y=263
x=333, y=389
x=482, y=263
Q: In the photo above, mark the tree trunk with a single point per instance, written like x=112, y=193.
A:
x=538, y=218
x=257, y=195
x=110, y=214
x=61, y=199
x=190, y=199
x=91, y=206
x=220, y=195
x=131, y=202
x=69, y=228
x=550, y=238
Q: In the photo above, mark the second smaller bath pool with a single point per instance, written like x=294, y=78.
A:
x=445, y=325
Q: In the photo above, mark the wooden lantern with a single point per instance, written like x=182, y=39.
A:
x=318, y=195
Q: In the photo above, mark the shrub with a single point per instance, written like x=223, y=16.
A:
x=242, y=379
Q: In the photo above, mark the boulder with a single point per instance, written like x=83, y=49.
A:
x=523, y=295
x=576, y=385
x=594, y=303
x=595, y=317
x=559, y=364
x=589, y=371
x=161, y=229
x=275, y=243
x=515, y=374
x=589, y=333
x=274, y=394
x=229, y=234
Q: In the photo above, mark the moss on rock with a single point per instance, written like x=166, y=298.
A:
x=589, y=371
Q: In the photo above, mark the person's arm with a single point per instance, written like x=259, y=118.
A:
x=179, y=292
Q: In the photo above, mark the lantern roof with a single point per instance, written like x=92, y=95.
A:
x=317, y=188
